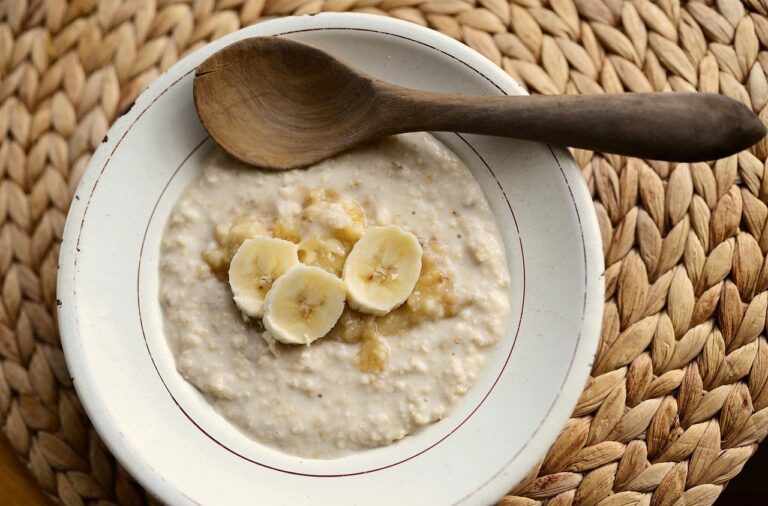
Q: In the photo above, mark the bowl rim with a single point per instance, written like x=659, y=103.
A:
x=589, y=332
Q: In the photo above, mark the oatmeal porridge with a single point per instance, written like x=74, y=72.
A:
x=386, y=367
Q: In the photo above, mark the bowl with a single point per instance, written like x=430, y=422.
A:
x=161, y=429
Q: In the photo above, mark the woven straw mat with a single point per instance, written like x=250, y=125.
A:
x=678, y=398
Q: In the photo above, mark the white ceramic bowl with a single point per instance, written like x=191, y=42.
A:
x=169, y=438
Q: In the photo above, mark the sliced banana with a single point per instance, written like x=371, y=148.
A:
x=304, y=304
x=382, y=269
x=256, y=265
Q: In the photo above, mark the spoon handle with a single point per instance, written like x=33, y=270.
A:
x=681, y=127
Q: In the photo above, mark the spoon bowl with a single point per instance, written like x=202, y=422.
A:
x=281, y=104
x=272, y=103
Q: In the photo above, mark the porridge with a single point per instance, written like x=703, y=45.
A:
x=252, y=260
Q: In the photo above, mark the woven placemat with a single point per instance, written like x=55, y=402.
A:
x=678, y=398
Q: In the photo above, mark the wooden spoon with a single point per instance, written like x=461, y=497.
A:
x=280, y=104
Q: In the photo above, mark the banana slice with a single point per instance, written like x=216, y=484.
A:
x=382, y=269
x=257, y=263
x=303, y=305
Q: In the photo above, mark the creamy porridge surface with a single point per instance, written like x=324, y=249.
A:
x=321, y=401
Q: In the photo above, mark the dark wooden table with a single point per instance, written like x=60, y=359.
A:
x=17, y=487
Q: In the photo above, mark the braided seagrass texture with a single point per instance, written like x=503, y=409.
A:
x=678, y=398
